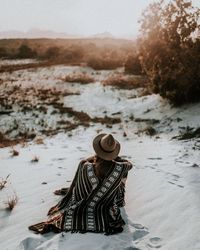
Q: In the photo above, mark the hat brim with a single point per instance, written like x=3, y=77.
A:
x=101, y=153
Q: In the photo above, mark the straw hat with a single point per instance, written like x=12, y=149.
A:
x=106, y=147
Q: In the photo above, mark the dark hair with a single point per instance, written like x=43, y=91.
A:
x=102, y=167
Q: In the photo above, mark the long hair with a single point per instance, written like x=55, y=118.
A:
x=102, y=167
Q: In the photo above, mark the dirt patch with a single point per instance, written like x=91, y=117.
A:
x=189, y=134
x=82, y=78
x=106, y=120
x=150, y=121
x=5, y=142
x=84, y=118
x=15, y=67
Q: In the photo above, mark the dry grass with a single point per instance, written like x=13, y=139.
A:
x=147, y=120
x=39, y=140
x=106, y=120
x=11, y=202
x=16, y=67
x=105, y=62
x=150, y=131
x=5, y=142
x=84, y=118
x=79, y=78
x=126, y=82
x=190, y=133
x=35, y=159
x=3, y=182
x=14, y=152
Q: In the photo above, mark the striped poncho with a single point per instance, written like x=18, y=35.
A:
x=91, y=205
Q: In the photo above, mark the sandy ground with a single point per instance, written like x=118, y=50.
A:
x=162, y=193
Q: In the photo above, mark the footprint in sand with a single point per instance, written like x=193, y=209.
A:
x=62, y=168
x=138, y=226
x=173, y=179
x=155, y=242
x=181, y=186
x=29, y=244
x=132, y=248
x=139, y=233
x=58, y=159
x=81, y=149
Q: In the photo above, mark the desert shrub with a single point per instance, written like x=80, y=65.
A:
x=188, y=134
x=11, y=202
x=170, y=50
x=25, y=51
x=35, y=159
x=132, y=65
x=125, y=82
x=3, y=182
x=73, y=54
x=14, y=152
x=105, y=61
x=3, y=52
x=79, y=78
x=51, y=53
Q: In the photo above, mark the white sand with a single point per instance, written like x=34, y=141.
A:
x=162, y=198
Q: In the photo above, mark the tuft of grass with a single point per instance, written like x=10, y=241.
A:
x=35, y=159
x=11, y=202
x=14, y=152
x=39, y=141
x=190, y=133
x=105, y=62
x=3, y=182
x=150, y=131
x=124, y=134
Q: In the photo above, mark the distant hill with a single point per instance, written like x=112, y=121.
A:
x=38, y=33
x=103, y=35
x=34, y=33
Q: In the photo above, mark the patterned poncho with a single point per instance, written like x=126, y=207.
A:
x=92, y=205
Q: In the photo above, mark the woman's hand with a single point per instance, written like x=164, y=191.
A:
x=53, y=210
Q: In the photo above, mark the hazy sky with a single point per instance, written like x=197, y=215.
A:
x=85, y=17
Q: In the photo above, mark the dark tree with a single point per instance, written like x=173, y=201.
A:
x=25, y=51
x=3, y=52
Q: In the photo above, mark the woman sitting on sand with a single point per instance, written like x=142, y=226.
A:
x=92, y=202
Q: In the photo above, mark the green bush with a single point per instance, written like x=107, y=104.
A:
x=170, y=50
